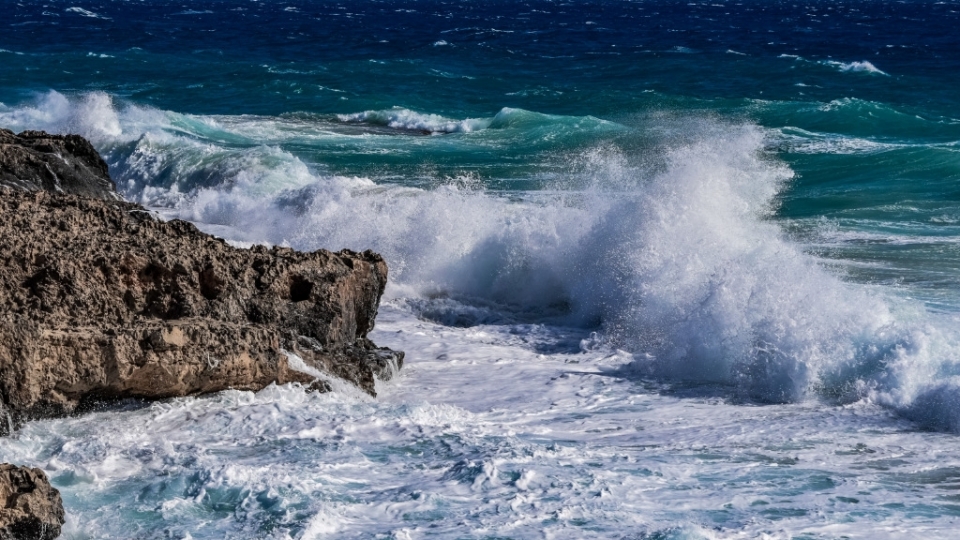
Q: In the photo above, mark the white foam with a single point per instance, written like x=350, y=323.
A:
x=483, y=437
x=863, y=67
x=400, y=118
x=93, y=116
x=808, y=142
x=85, y=13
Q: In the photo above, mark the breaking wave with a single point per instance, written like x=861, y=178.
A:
x=674, y=257
x=405, y=119
x=862, y=67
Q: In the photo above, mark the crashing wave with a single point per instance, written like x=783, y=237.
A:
x=680, y=263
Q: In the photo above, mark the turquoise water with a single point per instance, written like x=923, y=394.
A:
x=661, y=269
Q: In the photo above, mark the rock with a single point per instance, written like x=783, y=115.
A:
x=30, y=508
x=35, y=160
x=99, y=300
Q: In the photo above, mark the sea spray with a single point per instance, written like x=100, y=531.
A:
x=671, y=252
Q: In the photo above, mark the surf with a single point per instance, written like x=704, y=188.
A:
x=675, y=255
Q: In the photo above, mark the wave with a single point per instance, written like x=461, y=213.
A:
x=400, y=118
x=406, y=119
x=864, y=66
x=802, y=141
x=857, y=67
x=680, y=263
x=862, y=119
x=85, y=13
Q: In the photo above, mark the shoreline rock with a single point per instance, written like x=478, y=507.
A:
x=36, y=160
x=30, y=508
x=99, y=300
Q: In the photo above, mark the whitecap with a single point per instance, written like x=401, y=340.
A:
x=85, y=13
x=400, y=118
x=856, y=67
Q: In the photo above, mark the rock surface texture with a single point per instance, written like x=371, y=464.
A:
x=30, y=508
x=100, y=300
x=34, y=160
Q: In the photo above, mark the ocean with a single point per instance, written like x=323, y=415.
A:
x=661, y=270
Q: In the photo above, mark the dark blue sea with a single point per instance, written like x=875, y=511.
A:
x=662, y=270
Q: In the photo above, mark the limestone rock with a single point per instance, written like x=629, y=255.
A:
x=35, y=160
x=30, y=508
x=99, y=300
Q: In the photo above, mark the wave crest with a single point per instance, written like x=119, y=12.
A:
x=400, y=118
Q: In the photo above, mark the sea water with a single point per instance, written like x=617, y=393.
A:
x=660, y=269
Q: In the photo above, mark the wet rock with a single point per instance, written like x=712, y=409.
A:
x=30, y=508
x=35, y=160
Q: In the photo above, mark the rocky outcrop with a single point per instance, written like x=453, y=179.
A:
x=30, y=508
x=99, y=300
x=35, y=160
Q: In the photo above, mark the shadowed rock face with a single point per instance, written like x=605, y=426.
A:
x=100, y=300
x=30, y=508
x=35, y=160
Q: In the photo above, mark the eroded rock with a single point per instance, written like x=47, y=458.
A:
x=100, y=300
x=30, y=508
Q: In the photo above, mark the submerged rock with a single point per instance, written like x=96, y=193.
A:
x=30, y=508
x=100, y=300
x=35, y=160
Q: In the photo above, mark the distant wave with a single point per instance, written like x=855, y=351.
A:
x=862, y=67
x=85, y=13
x=405, y=119
x=400, y=118
x=852, y=67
